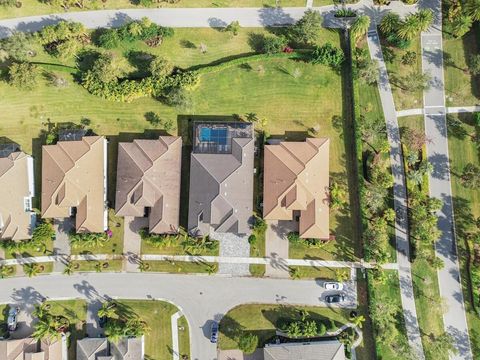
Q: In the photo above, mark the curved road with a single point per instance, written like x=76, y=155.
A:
x=201, y=298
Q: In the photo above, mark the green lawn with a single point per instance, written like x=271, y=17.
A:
x=258, y=250
x=181, y=267
x=461, y=88
x=35, y=7
x=89, y=265
x=157, y=314
x=183, y=337
x=114, y=245
x=466, y=207
x=311, y=272
x=76, y=313
x=262, y=320
x=396, y=71
x=33, y=252
x=390, y=289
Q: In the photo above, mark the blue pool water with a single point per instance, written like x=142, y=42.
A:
x=218, y=135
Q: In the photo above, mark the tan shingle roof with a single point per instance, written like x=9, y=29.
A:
x=148, y=175
x=15, y=172
x=296, y=178
x=73, y=176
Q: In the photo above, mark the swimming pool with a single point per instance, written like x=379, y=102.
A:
x=216, y=135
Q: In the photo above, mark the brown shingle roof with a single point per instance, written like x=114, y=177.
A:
x=296, y=178
x=148, y=175
x=73, y=176
x=16, y=178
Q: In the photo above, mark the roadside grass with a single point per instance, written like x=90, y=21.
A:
x=312, y=272
x=182, y=267
x=157, y=315
x=48, y=250
x=76, y=312
x=183, y=338
x=391, y=290
x=428, y=302
x=35, y=7
x=114, y=245
x=90, y=265
x=461, y=88
x=258, y=250
x=397, y=71
x=45, y=268
x=466, y=206
x=263, y=320
x=175, y=248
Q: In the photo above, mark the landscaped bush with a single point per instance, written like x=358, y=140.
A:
x=305, y=327
x=274, y=44
x=143, y=29
x=328, y=55
x=40, y=236
x=89, y=240
x=344, y=12
x=294, y=238
x=248, y=342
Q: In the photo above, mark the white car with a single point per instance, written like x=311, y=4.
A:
x=333, y=286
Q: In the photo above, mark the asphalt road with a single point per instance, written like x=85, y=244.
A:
x=454, y=318
x=201, y=298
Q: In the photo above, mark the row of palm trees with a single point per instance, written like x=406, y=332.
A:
x=49, y=327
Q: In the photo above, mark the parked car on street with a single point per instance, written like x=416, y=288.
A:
x=332, y=285
x=12, y=318
x=214, y=332
x=335, y=298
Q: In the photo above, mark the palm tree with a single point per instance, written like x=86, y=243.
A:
x=107, y=310
x=461, y=25
x=409, y=28
x=473, y=9
x=42, y=310
x=135, y=327
x=360, y=27
x=415, y=176
x=143, y=266
x=211, y=269
x=98, y=267
x=425, y=19
x=295, y=273
x=341, y=275
x=358, y=321
x=114, y=331
x=5, y=271
x=45, y=328
x=135, y=29
x=68, y=268
x=390, y=23
x=32, y=269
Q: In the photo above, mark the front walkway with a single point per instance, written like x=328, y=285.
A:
x=233, y=245
x=61, y=245
x=400, y=199
x=132, y=243
x=276, y=247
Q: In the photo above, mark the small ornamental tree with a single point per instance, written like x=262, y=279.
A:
x=233, y=27
x=306, y=30
x=274, y=44
x=248, y=342
x=23, y=75
x=328, y=55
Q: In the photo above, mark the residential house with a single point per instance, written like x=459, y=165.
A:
x=221, y=178
x=102, y=349
x=31, y=349
x=296, y=182
x=17, y=219
x=320, y=350
x=74, y=182
x=148, y=182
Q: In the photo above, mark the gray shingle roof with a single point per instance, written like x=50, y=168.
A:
x=320, y=350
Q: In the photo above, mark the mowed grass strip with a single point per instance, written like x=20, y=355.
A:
x=466, y=206
x=35, y=7
x=461, y=88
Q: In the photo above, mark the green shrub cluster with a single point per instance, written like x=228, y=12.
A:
x=328, y=55
x=89, y=240
x=294, y=238
x=42, y=233
x=304, y=327
x=142, y=29
x=60, y=32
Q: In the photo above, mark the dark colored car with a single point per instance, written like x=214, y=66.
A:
x=335, y=298
x=12, y=319
x=214, y=333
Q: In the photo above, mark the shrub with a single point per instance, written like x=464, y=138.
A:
x=252, y=239
x=274, y=44
x=409, y=58
x=23, y=75
x=328, y=55
x=248, y=342
x=109, y=39
x=306, y=30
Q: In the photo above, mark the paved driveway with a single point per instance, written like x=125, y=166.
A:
x=201, y=298
x=276, y=247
